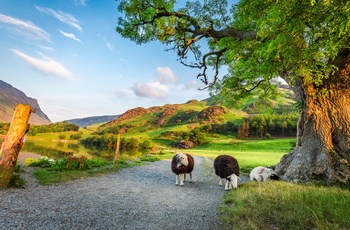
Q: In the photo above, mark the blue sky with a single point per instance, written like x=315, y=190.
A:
x=67, y=55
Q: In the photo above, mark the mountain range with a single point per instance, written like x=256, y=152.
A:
x=10, y=97
x=86, y=121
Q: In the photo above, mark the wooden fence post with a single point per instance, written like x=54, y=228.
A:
x=117, y=149
x=13, y=143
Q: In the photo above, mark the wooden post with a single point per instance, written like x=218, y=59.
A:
x=117, y=149
x=13, y=143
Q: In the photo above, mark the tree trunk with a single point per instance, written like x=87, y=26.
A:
x=13, y=143
x=322, y=151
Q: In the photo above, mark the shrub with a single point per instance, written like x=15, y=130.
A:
x=43, y=162
x=75, y=136
x=147, y=144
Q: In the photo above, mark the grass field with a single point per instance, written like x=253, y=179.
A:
x=284, y=205
x=249, y=153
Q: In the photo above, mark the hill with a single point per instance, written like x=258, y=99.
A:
x=83, y=122
x=10, y=97
x=206, y=114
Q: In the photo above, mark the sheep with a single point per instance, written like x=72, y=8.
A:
x=227, y=167
x=263, y=174
x=181, y=164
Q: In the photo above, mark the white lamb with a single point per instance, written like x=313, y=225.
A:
x=263, y=174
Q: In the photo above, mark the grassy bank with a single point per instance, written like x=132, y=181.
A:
x=282, y=205
x=48, y=171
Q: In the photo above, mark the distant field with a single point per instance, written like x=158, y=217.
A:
x=249, y=153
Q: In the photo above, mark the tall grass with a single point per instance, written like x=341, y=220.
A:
x=282, y=205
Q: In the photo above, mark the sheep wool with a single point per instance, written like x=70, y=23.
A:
x=263, y=174
x=181, y=164
x=226, y=167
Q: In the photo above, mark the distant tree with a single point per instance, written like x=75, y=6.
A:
x=306, y=43
x=243, y=130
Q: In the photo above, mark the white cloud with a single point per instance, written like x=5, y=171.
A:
x=25, y=28
x=194, y=85
x=81, y=2
x=150, y=90
x=125, y=93
x=123, y=60
x=109, y=46
x=46, y=66
x=63, y=17
x=47, y=48
x=166, y=75
x=72, y=36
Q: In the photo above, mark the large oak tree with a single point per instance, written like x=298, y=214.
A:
x=305, y=42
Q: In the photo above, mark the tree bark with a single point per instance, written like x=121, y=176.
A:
x=13, y=142
x=322, y=149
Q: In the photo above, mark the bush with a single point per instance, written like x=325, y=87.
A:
x=147, y=144
x=75, y=136
x=60, y=164
x=43, y=162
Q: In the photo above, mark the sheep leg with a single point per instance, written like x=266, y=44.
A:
x=220, y=182
x=227, y=185
x=190, y=177
x=182, y=176
x=176, y=179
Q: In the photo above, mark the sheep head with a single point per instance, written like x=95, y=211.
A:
x=233, y=179
x=181, y=160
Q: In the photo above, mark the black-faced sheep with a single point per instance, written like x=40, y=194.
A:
x=181, y=164
x=226, y=167
x=263, y=174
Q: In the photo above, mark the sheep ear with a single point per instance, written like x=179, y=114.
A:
x=235, y=175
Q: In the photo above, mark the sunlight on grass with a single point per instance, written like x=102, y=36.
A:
x=282, y=205
x=48, y=175
x=249, y=153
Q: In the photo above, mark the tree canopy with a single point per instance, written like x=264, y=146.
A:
x=257, y=40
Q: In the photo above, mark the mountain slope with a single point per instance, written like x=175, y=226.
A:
x=83, y=122
x=10, y=97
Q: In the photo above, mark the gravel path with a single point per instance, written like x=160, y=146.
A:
x=142, y=197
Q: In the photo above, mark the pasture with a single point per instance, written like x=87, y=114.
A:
x=253, y=205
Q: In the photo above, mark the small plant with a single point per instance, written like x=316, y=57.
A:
x=97, y=162
x=149, y=158
x=43, y=162
x=267, y=136
x=16, y=181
